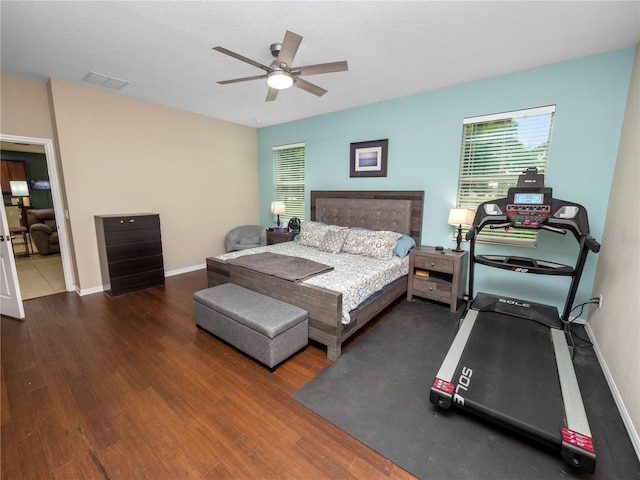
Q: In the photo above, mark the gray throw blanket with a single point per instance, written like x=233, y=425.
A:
x=295, y=269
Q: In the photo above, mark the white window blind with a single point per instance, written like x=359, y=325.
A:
x=496, y=149
x=289, y=165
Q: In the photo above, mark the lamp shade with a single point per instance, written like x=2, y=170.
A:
x=277, y=208
x=279, y=79
x=19, y=188
x=461, y=216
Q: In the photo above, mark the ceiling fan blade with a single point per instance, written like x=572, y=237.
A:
x=243, y=59
x=308, y=87
x=245, y=79
x=288, y=50
x=271, y=94
x=321, y=68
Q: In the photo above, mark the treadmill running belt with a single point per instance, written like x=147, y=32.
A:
x=515, y=386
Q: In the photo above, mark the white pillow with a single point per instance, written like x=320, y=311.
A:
x=355, y=241
x=375, y=244
x=311, y=233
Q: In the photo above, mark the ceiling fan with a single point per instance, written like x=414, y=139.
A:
x=280, y=74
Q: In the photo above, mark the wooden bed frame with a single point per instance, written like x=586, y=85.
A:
x=399, y=211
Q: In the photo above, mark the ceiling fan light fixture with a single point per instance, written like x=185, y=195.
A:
x=279, y=79
x=280, y=74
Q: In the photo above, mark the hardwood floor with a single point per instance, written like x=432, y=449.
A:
x=100, y=387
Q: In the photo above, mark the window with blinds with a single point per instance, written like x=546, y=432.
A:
x=288, y=162
x=496, y=149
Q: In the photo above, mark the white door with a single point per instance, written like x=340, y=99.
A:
x=10, y=298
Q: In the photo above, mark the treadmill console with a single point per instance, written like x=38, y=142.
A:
x=530, y=205
x=527, y=207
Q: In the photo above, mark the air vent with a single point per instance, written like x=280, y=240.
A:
x=105, y=81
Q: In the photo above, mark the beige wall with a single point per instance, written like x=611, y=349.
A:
x=121, y=155
x=24, y=108
x=616, y=326
x=26, y=112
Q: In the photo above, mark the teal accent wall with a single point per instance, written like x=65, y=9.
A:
x=425, y=133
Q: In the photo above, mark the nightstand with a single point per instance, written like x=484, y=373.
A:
x=437, y=276
x=279, y=237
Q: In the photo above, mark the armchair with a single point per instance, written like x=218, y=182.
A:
x=43, y=230
x=245, y=236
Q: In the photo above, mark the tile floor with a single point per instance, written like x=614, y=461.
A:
x=39, y=275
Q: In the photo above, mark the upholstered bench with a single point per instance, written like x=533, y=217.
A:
x=264, y=328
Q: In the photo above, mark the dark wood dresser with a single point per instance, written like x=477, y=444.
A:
x=130, y=249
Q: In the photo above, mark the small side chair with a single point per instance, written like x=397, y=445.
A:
x=245, y=236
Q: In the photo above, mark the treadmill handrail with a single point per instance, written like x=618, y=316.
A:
x=592, y=244
x=501, y=225
x=561, y=231
x=575, y=413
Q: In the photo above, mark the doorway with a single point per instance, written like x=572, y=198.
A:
x=38, y=275
x=41, y=275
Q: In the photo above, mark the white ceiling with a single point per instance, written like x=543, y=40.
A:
x=394, y=48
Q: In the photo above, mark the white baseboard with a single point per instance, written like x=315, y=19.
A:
x=626, y=419
x=179, y=271
x=89, y=291
x=170, y=273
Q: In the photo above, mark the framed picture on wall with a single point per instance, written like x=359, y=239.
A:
x=369, y=159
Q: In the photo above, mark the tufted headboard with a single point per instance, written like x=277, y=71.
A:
x=398, y=211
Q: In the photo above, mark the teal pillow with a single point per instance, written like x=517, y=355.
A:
x=403, y=245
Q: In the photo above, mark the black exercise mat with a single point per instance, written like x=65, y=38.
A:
x=378, y=392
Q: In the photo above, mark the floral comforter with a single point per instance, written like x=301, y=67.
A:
x=357, y=277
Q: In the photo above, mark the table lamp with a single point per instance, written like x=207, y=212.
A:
x=19, y=189
x=278, y=208
x=459, y=217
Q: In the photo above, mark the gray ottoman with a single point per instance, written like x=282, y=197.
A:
x=264, y=328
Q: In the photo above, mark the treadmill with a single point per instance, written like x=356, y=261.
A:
x=511, y=359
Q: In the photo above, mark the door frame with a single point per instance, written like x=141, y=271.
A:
x=58, y=205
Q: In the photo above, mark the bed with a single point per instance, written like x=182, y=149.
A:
x=396, y=211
